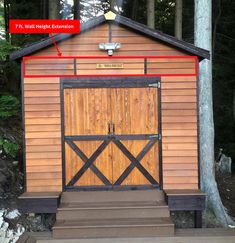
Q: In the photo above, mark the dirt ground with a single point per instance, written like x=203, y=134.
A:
x=226, y=185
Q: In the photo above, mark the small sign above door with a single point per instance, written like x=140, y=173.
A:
x=109, y=66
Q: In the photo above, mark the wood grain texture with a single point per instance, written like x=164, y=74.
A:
x=43, y=134
x=133, y=44
x=135, y=111
x=42, y=108
x=88, y=112
x=179, y=130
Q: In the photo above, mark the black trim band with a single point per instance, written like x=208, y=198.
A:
x=111, y=82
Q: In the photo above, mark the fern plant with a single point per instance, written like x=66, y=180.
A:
x=8, y=147
x=9, y=107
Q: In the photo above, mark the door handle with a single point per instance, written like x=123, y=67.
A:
x=111, y=128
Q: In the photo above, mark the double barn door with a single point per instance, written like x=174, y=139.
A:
x=110, y=133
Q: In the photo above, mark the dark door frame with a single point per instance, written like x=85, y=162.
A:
x=111, y=82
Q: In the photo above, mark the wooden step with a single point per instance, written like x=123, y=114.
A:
x=107, y=196
x=113, y=228
x=109, y=210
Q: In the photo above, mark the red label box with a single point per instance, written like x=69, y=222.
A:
x=39, y=26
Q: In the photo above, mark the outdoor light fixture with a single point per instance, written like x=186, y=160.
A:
x=110, y=47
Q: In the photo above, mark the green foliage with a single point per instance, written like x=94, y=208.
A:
x=5, y=49
x=9, y=107
x=26, y=9
x=9, y=148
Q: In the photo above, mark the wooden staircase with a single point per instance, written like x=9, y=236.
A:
x=112, y=214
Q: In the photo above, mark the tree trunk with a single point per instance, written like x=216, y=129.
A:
x=234, y=104
x=112, y=4
x=76, y=9
x=134, y=10
x=6, y=20
x=45, y=9
x=203, y=39
x=54, y=9
x=216, y=21
x=178, y=18
x=151, y=14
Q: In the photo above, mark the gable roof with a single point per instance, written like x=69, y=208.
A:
x=185, y=46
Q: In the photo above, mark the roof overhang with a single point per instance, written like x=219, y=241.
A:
x=110, y=16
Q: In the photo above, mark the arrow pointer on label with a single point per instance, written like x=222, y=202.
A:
x=57, y=48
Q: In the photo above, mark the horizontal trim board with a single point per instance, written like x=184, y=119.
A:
x=43, y=134
x=112, y=188
x=179, y=92
x=38, y=205
x=44, y=93
x=37, y=114
x=179, y=119
x=179, y=133
x=180, y=126
x=181, y=173
x=178, y=166
x=112, y=137
x=43, y=121
x=179, y=112
x=48, y=155
x=180, y=160
x=179, y=79
x=186, y=202
x=179, y=140
x=43, y=162
x=44, y=182
x=43, y=148
x=180, y=179
x=184, y=99
x=180, y=186
x=42, y=107
x=41, y=100
x=42, y=80
x=182, y=153
x=178, y=146
x=40, y=87
x=178, y=85
x=110, y=82
x=44, y=175
x=47, y=188
x=43, y=128
x=45, y=141
x=46, y=168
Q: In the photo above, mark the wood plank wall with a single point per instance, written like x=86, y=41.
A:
x=42, y=106
x=43, y=134
x=159, y=66
x=179, y=130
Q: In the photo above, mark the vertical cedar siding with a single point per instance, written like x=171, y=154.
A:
x=43, y=117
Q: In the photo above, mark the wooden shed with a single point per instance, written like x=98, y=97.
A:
x=124, y=119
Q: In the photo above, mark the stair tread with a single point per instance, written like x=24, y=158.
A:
x=112, y=205
x=99, y=223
